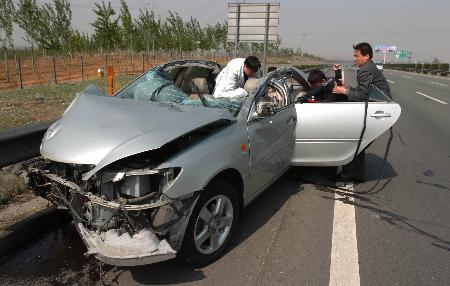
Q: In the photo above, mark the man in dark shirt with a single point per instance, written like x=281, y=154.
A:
x=321, y=88
x=318, y=81
x=368, y=73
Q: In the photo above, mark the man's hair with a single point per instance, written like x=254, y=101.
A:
x=252, y=63
x=316, y=76
x=365, y=49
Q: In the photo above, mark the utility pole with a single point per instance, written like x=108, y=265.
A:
x=304, y=35
x=236, y=35
x=266, y=37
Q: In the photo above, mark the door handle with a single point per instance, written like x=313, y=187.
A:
x=380, y=114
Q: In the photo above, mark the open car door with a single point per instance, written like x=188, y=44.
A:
x=271, y=135
x=327, y=134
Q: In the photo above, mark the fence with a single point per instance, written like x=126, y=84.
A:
x=44, y=70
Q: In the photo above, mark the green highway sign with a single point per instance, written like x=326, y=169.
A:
x=402, y=54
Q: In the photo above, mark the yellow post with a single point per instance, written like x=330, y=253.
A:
x=110, y=80
x=100, y=72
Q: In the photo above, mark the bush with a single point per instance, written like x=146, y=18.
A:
x=10, y=185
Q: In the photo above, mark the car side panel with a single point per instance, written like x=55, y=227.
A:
x=271, y=146
x=380, y=117
x=327, y=133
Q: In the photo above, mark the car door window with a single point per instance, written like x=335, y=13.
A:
x=297, y=85
x=274, y=98
x=376, y=95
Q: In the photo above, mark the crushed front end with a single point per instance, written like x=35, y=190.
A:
x=121, y=214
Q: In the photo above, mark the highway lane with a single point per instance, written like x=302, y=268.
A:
x=403, y=231
x=299, y=233
x=436, y=87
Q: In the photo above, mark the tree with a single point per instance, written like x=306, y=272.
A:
x=61, y=21
x=107, y=30
x=79, y=42
x=148, y=28
x=28, y=18
x=128, y=31
x=175, y=30
x=7, y=12
x=220, y=35
x=49, y=26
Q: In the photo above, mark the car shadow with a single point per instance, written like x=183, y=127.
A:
x=256, y=215
x=374, y=164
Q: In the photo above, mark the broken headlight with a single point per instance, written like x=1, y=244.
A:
x=139, y=183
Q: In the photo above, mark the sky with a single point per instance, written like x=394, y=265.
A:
x=326, y=28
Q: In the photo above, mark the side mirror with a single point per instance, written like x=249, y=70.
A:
x=265, y=108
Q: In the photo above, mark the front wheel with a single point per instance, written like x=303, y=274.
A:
x=212, y=223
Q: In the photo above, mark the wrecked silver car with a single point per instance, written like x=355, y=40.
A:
x=162, y=168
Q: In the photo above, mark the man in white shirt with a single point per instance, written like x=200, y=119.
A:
x=230, y=81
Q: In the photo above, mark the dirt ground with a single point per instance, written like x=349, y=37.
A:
x=17, y=202
x=21, y=208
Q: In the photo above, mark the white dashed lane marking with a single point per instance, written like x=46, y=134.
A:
x=390, y=81
x=423, y=94
x=405, y=76
x=438, y=83
x=344, y=268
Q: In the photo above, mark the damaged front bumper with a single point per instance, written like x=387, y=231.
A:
x=117, y=231
x=123, y=250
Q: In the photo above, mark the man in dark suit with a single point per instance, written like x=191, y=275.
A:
x=368, y=74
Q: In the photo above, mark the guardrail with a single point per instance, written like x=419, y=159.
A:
x=21, y=143
x=434, y=69
x=308, y=68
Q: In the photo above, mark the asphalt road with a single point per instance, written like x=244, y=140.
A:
x=404, y=230
x=301, y=233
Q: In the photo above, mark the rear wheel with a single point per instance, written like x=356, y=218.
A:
x=212, y=223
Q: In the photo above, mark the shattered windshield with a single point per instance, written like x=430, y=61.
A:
x=157, y=86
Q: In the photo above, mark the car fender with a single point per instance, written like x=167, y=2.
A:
x=202, y=162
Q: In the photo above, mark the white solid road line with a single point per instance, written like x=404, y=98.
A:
x=423, y=94
x=390, y=81
x=344, y=268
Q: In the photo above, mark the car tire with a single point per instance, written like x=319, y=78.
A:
x=211, y=224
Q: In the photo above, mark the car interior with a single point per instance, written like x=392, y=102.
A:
x=296, y=89
x=194, y=80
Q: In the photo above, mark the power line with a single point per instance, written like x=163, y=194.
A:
x=340, y=34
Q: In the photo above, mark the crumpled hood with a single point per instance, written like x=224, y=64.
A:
x=99, y=130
